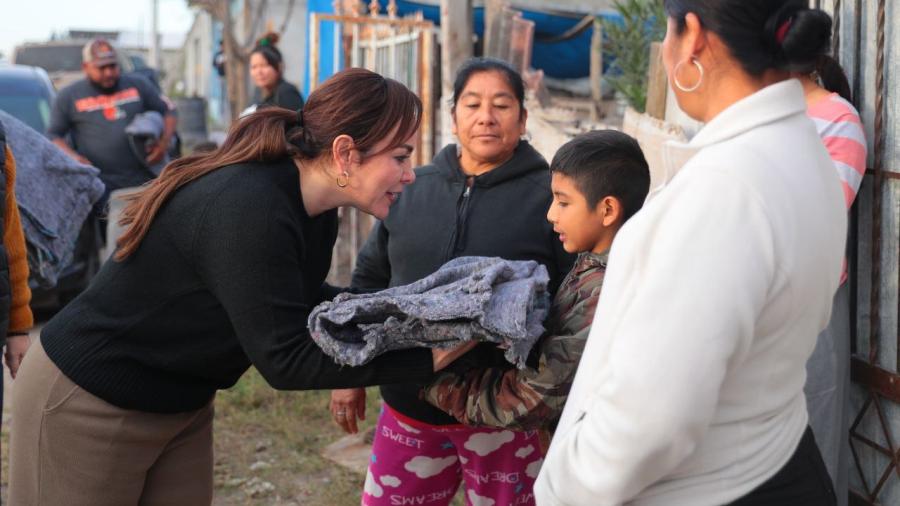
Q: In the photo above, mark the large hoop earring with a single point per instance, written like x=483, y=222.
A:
x=683, y=87
x=343, y=182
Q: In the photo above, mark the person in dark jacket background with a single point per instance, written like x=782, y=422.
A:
x=486, y=196
x=267, y=72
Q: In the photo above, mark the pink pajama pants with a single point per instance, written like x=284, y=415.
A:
x=415, y=463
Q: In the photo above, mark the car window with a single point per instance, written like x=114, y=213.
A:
x=52, y=58
x=32, y=110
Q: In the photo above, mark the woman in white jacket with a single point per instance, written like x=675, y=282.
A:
x=690, y=389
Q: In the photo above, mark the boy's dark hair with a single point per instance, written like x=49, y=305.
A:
x=606, y=163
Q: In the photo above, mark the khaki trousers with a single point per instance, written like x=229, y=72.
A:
x=69, y=447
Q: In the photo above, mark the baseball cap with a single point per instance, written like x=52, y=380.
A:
x=99, y=52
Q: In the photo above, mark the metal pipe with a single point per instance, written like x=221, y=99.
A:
x=875, y=292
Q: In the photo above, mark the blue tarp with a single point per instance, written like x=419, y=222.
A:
x=564, y=60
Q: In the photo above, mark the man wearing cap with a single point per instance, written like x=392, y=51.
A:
x=95, y=112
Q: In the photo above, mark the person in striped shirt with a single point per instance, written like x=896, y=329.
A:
x=827, y=389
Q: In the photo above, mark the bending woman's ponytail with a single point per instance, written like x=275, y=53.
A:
x=356, y=102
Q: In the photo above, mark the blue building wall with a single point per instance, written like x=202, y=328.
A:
x=326, y=44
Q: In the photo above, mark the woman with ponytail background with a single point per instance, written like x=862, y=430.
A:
x=827, y=389
x=690, y=388
x=224, y=256
x=267, y=72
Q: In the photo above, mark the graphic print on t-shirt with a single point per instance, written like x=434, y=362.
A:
x=109, y=103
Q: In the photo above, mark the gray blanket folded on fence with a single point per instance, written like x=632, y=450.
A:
x=480, y=298
x=55, y=194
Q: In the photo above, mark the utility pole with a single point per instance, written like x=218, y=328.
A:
x=154, y=34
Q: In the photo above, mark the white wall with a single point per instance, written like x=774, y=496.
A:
x=197, y=54
x=293, y=40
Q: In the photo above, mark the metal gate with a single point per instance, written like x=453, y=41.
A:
x=403, y=49
x=868, y=47
x=400, y=48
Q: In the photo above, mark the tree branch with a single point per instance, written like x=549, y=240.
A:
x=287, y=17
x=218, y=9
x=252, y=32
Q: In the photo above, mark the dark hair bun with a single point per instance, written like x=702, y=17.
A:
x=806, y=39
x=269, y=39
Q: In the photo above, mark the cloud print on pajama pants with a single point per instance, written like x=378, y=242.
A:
x=416, y=464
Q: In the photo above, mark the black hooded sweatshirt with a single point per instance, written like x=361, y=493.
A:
x=501, y=213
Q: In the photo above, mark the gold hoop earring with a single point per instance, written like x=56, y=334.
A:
x=682, y=87
x=343, y=182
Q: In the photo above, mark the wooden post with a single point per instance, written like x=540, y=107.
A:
x=315, y=47
x=657, y=83
x=457, y=29
x=521, y=39
x=503, y=42
x=493, y=26
x=597, y=70
x=427, y=85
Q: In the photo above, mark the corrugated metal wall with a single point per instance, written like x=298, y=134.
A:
x=868, y=46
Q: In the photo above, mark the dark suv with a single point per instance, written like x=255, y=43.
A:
x=27, y=94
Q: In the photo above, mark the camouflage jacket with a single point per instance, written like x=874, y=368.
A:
x=530, y=398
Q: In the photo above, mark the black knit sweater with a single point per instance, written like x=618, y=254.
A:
x=226, y=277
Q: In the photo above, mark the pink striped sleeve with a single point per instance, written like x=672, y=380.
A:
x=842, y=133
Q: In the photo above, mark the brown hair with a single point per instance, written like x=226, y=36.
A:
x=354, y=102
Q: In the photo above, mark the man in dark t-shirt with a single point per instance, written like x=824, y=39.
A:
x=96, y=110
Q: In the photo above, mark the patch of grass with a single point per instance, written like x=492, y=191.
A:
x=276, y=437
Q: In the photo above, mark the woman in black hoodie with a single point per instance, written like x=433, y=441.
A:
x=486, y=196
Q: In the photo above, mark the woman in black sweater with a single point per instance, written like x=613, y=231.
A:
x=267, y=72
x=224, y=256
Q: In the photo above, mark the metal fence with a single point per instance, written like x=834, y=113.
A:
x=867, y=44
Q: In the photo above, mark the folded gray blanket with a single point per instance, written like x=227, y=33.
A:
x=469, y=298
x=55, y=194
x=146, y=127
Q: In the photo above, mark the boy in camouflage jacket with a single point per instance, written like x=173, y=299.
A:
x=600, y=179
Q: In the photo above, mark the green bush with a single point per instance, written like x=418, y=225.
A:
x=628, y=42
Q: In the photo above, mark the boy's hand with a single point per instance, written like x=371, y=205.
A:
x=16, y=347
x=346, y=405
x=441, y=358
